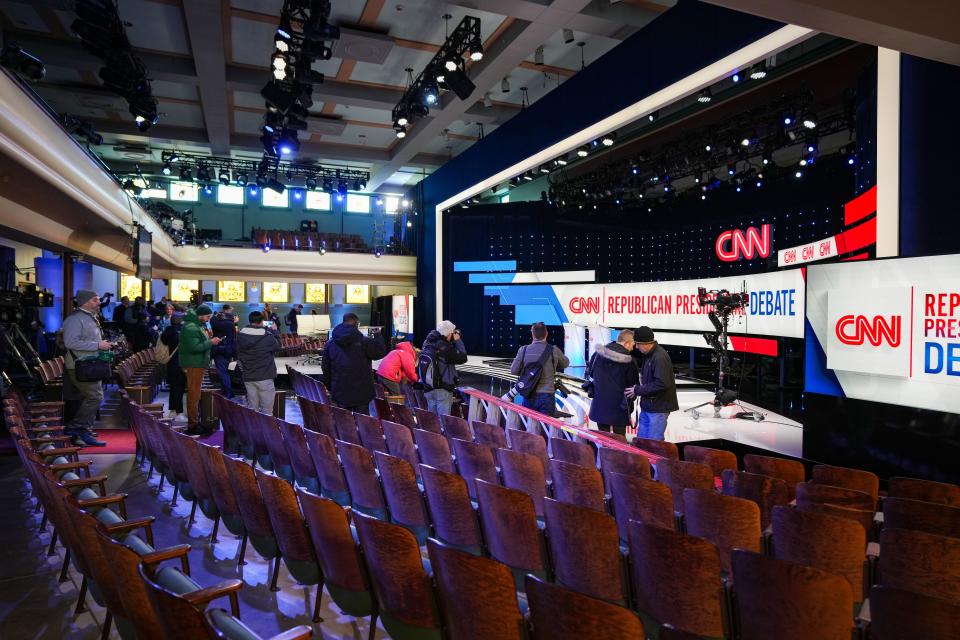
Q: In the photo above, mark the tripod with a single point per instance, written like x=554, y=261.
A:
x=717, y=340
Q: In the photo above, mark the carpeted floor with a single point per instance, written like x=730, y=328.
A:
x=123, y=441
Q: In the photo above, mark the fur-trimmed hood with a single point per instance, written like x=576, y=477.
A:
x=615, y=352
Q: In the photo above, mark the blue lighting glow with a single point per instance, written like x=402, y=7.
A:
x=851, y=161
x=253, y=191
x=736, y=77
x=339, y=197
x=285, y=149
x=297, y=194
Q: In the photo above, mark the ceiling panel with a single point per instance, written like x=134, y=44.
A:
x=247, y=122
x=181, y=115
x=363, y=114
x=164, y=89
x=252, y=42
x=269, y=7
x=248, y=99
x=391, y=72
x=560, y=54
x=23, y=16
x=155, y=25
x=373, y=137
x=422, y=21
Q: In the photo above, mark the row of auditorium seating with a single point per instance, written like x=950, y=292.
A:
x=305, y=386
x=683, y=560
x=50, y=375
x=115, y=555
x=292, y=345
x=308, y=240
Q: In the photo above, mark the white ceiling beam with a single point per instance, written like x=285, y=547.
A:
x=204, y=20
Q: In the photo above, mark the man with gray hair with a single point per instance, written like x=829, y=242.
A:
x=443, y=349
x=82, y=338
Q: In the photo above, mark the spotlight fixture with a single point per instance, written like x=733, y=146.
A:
x=253, y=190
x=376, y=252
x=653, y=115
x=767, y=158
x=429, y=94
x=731, y=169
x=450, y=65
x=288, y=142
x=275, y=185
x=402, y=121
x=185, y=174
x=798, y=174
x=609, y=139
x=27, y=65
x=505, y=85
x=759, y=71
x=205, y=245
x=527, y=177
x=476, y=51
x=409, y=224
x=705, y=96
x=261, y=180
x=266, y=248
x=208, y=189
x=708, y=148
x=241, y=178
x=735, y=77
x=787, y=120
x=810, y=121
x=583, y=151
x=224, y=177
x=310, y=182
x=166, y=169
x=538, y=56
x=745, y=142
x=561, y=161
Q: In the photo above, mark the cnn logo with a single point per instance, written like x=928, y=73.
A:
x=734, y=244
x=856, y=330
x=584, y=305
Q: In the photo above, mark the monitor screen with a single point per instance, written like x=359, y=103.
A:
x=144, y=257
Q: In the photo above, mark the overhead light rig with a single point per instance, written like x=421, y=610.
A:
x=103, y=34
x=269, y=173
x=737, y=151
x=301, y=38
x=445, y=71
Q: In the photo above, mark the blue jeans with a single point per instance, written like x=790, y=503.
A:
x=223, y=373
x=544, y=403
x=652, y=425
x=440, y=401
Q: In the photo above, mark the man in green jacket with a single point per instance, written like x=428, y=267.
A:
x=194, y=355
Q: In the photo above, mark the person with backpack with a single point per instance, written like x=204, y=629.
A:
x=536, y=366
x=612, y=369
x=346, y=365
x=442, y=351
x=256, y=348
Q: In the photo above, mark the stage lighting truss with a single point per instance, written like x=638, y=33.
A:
x=303, y=36
x=269, y=172
x=446, y=71
x=103, y=33
x=739, y=150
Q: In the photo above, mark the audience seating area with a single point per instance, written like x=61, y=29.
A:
x=308, y=240
x=439, y=527
x=295, y=345
x=50, y=375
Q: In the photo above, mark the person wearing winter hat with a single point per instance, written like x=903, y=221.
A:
x=82, y=338
x=657, y=389
x=445, y=348
x=194, y=357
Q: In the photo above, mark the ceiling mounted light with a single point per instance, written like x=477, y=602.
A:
x=288, y=143
x=561, y=161
x=583, y=151
x=185, y=174
x=242, y=178
x=705, y=96
x=429, y=94
x=401, y=132
x=310, y=182
x=505, y=85
x=450, y=65
x=224, y=177
x=810, y=120
x=275, y=185
x=538, y=56
x=476, y=51
x=759, y=71
x=402, y=121
x=166, y=169
x=653, y=115
x=261, y=180
x=609, y=139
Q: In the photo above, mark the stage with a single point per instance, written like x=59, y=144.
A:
x=775, y=433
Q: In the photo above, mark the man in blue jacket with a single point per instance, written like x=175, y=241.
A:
x=657, y=389
x=347, y=365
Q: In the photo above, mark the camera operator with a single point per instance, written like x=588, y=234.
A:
x=82, y=338
x=657, y=389
x=444, y=347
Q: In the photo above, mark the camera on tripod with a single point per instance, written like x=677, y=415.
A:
x=724, y=301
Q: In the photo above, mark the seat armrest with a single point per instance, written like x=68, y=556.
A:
x=145, y=523
x=99, y=480
x=169, y=553
x=114, y=498
x=302, y=632
x=65, y=466
x=224, y=588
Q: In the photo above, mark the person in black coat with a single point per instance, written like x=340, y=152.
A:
x=176, y=378
x=346, y=363
x=291, y=318
x=657, y=389
x=611, y=369
x=224, y=326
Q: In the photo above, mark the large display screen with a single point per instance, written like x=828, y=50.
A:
x=886, y=331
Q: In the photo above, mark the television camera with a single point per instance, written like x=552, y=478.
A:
x=724, y=304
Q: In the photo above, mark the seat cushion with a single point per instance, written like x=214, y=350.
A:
x=108, y=517
x=230, y=627
x=174, y=580
x=134, y=542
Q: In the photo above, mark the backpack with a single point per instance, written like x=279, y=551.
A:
x=531, y=373
x=162, y=353
x=426, y=371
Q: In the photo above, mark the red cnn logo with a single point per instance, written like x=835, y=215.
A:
x=855, y=330
x=584, y=305
x=735, y=245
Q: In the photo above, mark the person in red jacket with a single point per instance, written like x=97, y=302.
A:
x=397, y=366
